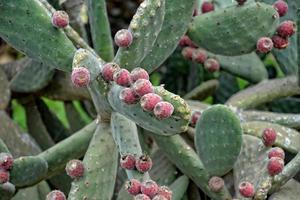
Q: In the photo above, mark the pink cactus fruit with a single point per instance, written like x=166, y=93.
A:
x=108, y=71
x=60, y=19
x=139, y=73
x=75, y=169
x=282, y=7
x=80, y=76
x=148, y=101
x=143, y=163
x=133, y=187
x=142, y=87
x=163, y=110
x=264, y=45
x=127, y=161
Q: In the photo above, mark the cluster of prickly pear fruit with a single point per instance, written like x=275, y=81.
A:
x=6, y=164
x=230, y=135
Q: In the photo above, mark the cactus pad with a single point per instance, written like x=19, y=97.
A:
x=28, y=171
x=177, y=15
x=32, y=78
x=100, y=163
x=234, y=30
x=4, y=90
x=145, y=27
x=218, y=139
x=126, y=137
x=252, y=165
x=248, y=66
x=31, y=31
x=177, y=123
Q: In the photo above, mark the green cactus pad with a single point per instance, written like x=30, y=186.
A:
x=32, y=78
x=252, y=166
x=145, y=27
x=285, y=105
x=4, y=90
x=228, y=86
x=178, y=14
x=98, y=87
x=264, y=92
x=186, y=159
x=126, y=138
x=31, y=31
x=218, y=139
x=36, y=126
x=18, y=143
x=289, y=191
x=3, y=147
x=28, y=193
x=287, y=120
x=177, y=123
x=179, y=187
x=7, y=191
x=248, y=66
x=163, y=171
x=100, y=29
x=58, y=155
x=100, y=162
x=28, y=171
x=234, y=30
x=287, y=138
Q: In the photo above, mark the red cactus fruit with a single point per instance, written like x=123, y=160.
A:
x=275, y=166
x=108, y=71
x=264, y=45
x=281, y=7
x=163, y=110
x=280, y=42
x=4, y=176
x=60, y=19
x=186, y=41
x=159, y=197
x=80, y=76
x=287, y=29
x=149, y=188
x=56, y=195
x=133, y=186
x=269, y=136
x=123, y=38
x=127, y=161
x=276, y=152
x=212, y=65
x=75, y=168
x=128, y=96
x=142, y=87
x=6, y=161
x=187, y=52
x=148, y=101
x=122, y=77
x=199, y=56
x=141, y=197
x=246, y=189
x=139, y=73
x=207, y=7
x=216, y=184
x=143, y=163
x=165, y=192
x=241, y=2
x=195, y=116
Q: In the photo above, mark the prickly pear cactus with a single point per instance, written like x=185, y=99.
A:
x=153, y=99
